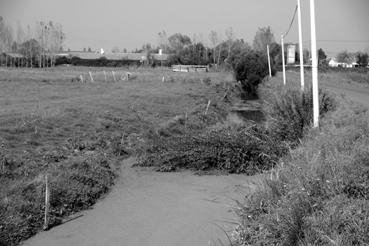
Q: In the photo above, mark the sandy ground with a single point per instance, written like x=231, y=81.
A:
x=148, y=208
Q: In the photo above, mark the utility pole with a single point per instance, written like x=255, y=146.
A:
x=300, y=46
x=283, y=65
x=314, y=65
x=270, y=69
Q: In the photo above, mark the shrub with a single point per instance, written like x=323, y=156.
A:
x=233, y=149
x=250, y=69
x=290, y=112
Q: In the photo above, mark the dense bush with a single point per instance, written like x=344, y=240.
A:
x=250, y=68
x=244, y=149
x=193, y=54
x=103, y=62
x=290, y=112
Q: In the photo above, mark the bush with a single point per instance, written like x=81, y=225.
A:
x=250, y=69
x=290, y=112
x=246, y=150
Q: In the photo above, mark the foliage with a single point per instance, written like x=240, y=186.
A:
x=250, y=69
x=321, y=56
x=290, y=112
x=263, y=37
x=362, y=59
x=346, y=57
x=178, y=41
x=194, y=54
x=232, y=149
x=102, y=62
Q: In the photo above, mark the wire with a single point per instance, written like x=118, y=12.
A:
x=293, y=19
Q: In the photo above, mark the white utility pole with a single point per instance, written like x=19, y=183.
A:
x=270, y=69
x=314, y=65
x=300, y=46
x=283, y=65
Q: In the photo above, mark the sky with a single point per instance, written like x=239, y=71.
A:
x=341, y=24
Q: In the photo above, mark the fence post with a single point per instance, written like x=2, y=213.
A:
x=207, y=107
x=47, y=203
x=92, y=79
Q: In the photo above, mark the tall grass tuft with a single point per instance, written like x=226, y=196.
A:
x=290, y=112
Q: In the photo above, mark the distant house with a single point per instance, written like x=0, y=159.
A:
x=334, y=63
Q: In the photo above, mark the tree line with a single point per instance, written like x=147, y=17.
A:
x=38, y=44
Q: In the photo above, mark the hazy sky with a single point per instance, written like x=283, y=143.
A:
x=341, y=24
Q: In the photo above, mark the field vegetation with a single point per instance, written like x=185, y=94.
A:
x=317, y=194
x=77, y=134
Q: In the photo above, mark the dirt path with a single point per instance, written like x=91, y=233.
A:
x=148, y=208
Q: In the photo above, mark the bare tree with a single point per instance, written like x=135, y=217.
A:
x=50, y=36
x=230, y=36
x=163, y=41
x=115, y=49
x=21, y=36
x=263, y=37
x=215, y=40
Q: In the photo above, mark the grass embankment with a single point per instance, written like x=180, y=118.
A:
x=78, y=133
x=318, y=193
x=248, y=148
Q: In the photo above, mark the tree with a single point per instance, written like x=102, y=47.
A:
x=321, y=56
x=250, y=70
x=230, y=36
x=194, y=54
x=50, y=36
x=306, y=55
x=362, y=59
x=178, y=41
x=21, y=37
x=31, y=49
x=346, y=57
x=115, y=49
x=263, y=37
x=163, y=42
x=6, y=36
x=215, y=40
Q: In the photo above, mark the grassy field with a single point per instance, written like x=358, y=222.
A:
x=77, y=133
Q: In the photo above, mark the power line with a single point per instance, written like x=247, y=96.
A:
x=293, y=19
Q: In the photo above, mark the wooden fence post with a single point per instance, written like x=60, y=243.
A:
x=207, y=107
x=47, y=203
x=92, y=79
